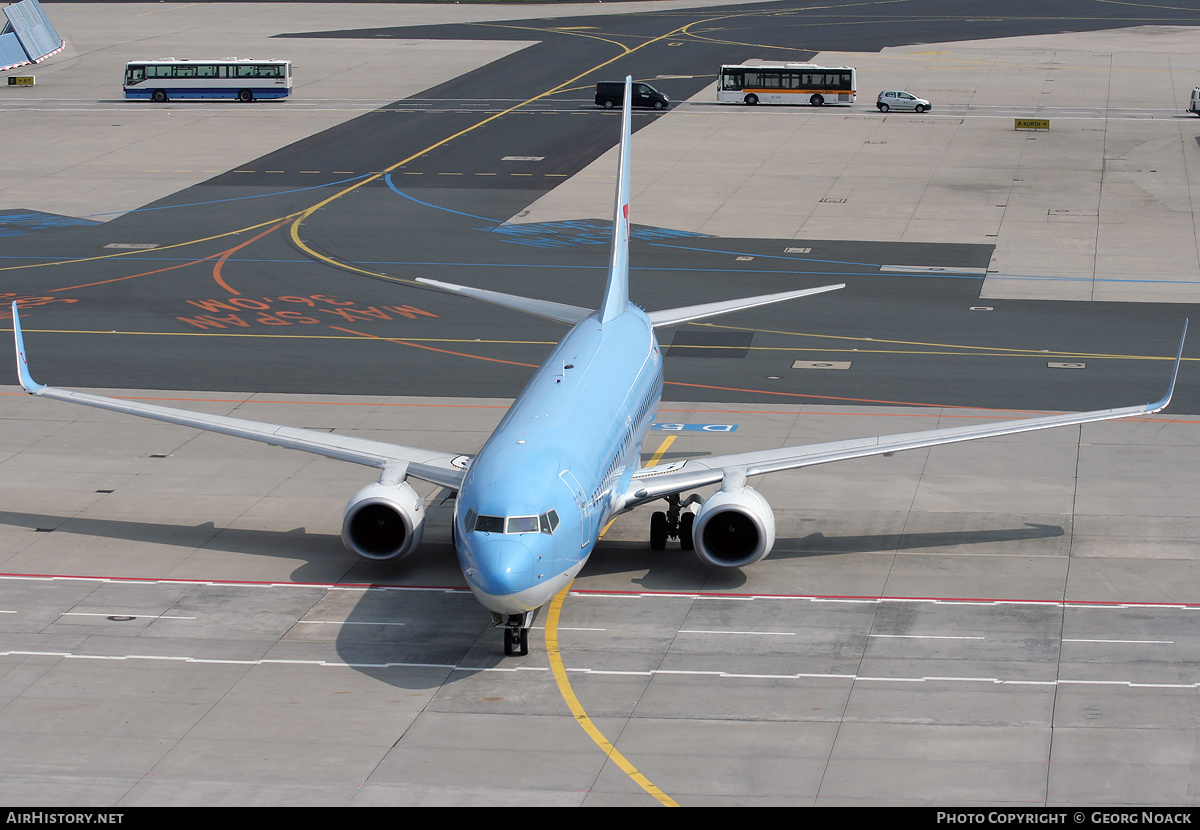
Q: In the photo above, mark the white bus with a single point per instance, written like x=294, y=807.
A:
x=240, y=78
x=760, y=82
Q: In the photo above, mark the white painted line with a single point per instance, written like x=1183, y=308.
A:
x=646, y=673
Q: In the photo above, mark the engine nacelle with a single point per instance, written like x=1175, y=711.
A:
x=734, y=528
x=384, y=521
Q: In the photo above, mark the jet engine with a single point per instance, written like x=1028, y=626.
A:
x=734, y=528
x=384, y=521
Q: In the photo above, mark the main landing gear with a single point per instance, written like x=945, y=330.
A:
x=516, y=632
x=675, y=523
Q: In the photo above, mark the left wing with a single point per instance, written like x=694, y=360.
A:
x=668, y=479
x=427, y=465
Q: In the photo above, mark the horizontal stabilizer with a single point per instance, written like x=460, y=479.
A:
x=561, y=312
x=675, y=316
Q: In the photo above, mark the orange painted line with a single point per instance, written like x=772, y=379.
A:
x=837, y=398
x=221, y=256
x=224, y=256
x=505, y=406
x=432, y=349
x=305, y=403
x=132, y=276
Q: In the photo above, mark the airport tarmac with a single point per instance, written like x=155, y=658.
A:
x=1007, y=622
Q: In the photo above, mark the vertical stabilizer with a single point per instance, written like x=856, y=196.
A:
x=616, y=293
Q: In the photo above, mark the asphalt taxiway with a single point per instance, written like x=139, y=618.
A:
x=1007, y=622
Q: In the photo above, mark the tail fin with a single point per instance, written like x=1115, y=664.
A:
x=616, y=293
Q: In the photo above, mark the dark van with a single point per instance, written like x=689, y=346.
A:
x=611, y=94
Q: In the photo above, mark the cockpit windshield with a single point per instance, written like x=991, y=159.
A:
x=545, y=523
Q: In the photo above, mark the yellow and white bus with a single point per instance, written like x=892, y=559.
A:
x=170, y=79
x=760, y=82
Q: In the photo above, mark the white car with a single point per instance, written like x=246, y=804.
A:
x=898, y=99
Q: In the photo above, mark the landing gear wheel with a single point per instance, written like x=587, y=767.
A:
x=658, y=531
x=816, y=100
x=685, y=531
x=751, y=99
x=516, y=642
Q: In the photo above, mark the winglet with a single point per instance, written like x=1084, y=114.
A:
x=1160, y=405
x=616, y=293
x=27, y=382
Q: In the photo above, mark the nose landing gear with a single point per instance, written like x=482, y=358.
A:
x=516, y=632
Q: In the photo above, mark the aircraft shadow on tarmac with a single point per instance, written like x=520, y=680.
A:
x=446, y=636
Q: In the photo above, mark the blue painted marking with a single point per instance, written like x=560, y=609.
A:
x=694, y=427
x=387, y=179
x=580, y=232
x=19, y=223
x=240, y=198
x=552, y=234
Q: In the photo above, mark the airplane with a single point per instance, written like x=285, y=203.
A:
x=531, y=504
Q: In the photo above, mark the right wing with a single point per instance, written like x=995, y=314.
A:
x=445, y=469
x=655, y=482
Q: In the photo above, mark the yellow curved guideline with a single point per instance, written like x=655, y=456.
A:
x=155, y=250
x=295, y=229
x=564, y=685
x=581, y=717
x=966, y=351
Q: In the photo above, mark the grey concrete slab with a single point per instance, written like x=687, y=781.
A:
x=1098, y=208
x=265, y=665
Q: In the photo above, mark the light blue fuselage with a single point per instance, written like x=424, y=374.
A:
x=568, y=444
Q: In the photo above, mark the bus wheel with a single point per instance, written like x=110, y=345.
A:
x=816, y=100
x=751, y=99
x=158, y=96
x=245, y=96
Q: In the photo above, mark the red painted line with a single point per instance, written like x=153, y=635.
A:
x=851, y=598
x=163, y=580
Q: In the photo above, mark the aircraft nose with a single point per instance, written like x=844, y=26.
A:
x=504, y=566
